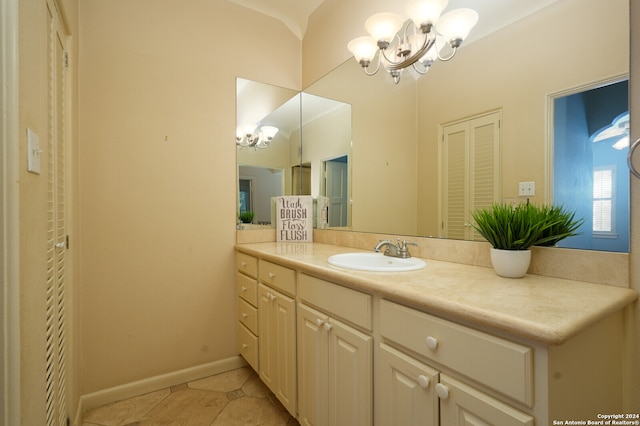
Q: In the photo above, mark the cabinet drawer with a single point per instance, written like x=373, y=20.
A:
x=343, y=302
x=247, y=288
x=278, y=277
x=248, y=346
x=497, y=363
x=247, y=264
x=248, y=315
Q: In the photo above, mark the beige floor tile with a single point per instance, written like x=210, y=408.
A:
x=224, y=382
x=250, y=411
x=125, y=412
x=187, y=407
x=255, y=387
x=237, y=397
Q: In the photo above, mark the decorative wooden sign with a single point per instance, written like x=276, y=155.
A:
x=294, y=218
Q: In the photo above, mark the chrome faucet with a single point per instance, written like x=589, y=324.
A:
x=395, y=250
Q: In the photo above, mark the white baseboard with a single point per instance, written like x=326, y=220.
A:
x=151, y=384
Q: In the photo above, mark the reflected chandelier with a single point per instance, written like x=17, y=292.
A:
x=418, y=44
x=255, y=139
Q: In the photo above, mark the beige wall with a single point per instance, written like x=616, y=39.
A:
x=157, y=178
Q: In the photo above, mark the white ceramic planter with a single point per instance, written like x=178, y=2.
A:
x=510, y=263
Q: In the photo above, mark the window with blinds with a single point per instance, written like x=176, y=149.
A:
x=470, y=172
x=603, y=199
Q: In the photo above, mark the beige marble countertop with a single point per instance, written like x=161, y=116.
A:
x=543, y=309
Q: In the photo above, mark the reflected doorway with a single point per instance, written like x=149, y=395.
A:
x=336, y=187
x=590, y=176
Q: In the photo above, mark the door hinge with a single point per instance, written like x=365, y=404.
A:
x=66, y=59
x=66, y=240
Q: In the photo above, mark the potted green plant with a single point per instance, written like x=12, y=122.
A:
x=562, y=224
x=247, y=216
x=512, y=231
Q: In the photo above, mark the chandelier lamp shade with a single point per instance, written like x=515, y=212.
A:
x=249, y=137
x=417, y=42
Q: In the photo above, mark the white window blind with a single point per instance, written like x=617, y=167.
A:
x=603, y=202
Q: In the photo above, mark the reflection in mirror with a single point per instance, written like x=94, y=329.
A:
x=265, y=165
x=326, y=149
x=590, y=176
x=396, y=129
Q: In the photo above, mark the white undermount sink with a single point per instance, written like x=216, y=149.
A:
x=377, y=262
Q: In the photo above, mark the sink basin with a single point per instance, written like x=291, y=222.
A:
x=377, y=262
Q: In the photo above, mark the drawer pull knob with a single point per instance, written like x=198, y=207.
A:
x=271, y=296
x=327, y=326
x=319, y=322
x=272, y=275
x=432, y=343
x=244, y=315
x=244, y=346
x=423, y=381
x=442, y=391
x=244, y=263
x=244, y=288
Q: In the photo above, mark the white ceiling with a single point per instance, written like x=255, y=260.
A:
x=494, y=14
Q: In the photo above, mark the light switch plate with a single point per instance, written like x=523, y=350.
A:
x=33, y=149
x=527, y=189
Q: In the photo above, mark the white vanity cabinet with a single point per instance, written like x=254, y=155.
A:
x=335, y=358
x=315, y=343
x=277, y=332
x=247, y=307
x=406, y=385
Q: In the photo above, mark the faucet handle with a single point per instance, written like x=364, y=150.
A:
x=408, y=243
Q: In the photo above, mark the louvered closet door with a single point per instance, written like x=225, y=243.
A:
x=470, y=172
x=456, y=175
x=56, y=286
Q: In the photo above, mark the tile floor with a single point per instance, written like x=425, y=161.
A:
x=237, y=397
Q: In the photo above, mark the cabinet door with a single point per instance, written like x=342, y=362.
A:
x=350, y=375
x=405, y=392
x=463, y=405
x=313, y=403
x=285, y=350
x=266, y=339
x=277, y=326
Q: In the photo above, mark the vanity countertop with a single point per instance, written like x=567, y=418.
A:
x=544, y=309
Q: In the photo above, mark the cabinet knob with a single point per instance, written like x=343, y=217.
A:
x=243, y=289
x=245, y=346
x=272, y=296
x=271, y=275
x=432, y=343
x=327, y=326
x=423, y=381
x=244, y=263
x=442, y=391
x=244, y=315
x=319, y=322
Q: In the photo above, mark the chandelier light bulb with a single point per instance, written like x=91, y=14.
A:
x=269, y=131
x=454, y=26
x=363, y=48
x=425, y=11
x=383, y=26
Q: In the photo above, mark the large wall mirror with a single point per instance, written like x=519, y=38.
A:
x=395, y=165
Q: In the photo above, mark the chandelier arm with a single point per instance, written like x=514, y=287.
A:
x=377, y=66
x=419, y=71
x=415, y=57
x=453, y=53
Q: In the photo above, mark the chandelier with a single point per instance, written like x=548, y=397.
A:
x=418, y=44
x=249, y=137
